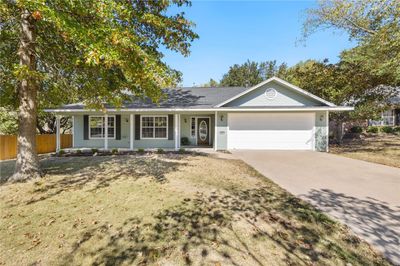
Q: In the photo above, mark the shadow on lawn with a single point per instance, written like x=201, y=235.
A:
x=370, y=217
x=100, y=172
x=205, y=225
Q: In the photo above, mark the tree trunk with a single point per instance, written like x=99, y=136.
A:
x=339, y=131
x=27, y=164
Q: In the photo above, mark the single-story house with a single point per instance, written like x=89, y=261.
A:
x=272, y=115
x=391, y=116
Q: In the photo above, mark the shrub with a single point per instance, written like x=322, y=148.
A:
x=182, y=150
x=387, y=129
x=396, y=129
x=61, y=152
x=160, y=151
x=140, y=150
x=94, y=150
x=356, y=129
x=185, y=141
x=372, y=129
x=114, y=151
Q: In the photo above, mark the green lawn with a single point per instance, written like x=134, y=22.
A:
x=165, y=210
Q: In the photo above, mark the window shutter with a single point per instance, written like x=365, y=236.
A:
x=85, y=127
x=137, y=127
x=170, y=127
x=118, y=127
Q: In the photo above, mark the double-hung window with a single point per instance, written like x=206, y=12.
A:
x=97, y=127
x=154, y=127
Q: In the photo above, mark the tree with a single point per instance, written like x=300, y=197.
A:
x=343, y=84
x=373, y=24
x=94, y=50
x=251, y=73
x=211, y=83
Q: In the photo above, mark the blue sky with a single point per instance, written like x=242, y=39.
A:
x=233, y=31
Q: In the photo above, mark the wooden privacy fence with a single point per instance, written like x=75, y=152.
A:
x=44, y=144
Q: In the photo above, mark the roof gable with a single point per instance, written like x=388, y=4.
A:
x=286, y=94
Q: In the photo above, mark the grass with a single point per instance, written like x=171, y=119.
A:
x=382, y=149
x=165, y=209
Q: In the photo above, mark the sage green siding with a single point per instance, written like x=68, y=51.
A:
x=284, y=97
x=222, y=131
x=321, y=131
x=79, y=142
x=186, y=125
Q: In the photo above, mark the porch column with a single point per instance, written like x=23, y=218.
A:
x=106, y=132
x=58, y=141
x=176, y=131
x=327, y=130
x=215, y=130
x=131, y=131
x=179, y=131
x=73, y=131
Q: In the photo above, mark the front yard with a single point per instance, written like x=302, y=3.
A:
x=165, y=209
x=383, y=149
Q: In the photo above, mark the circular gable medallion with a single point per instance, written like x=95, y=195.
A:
x=270, y=93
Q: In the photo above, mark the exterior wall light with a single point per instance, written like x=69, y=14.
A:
x=222, y=117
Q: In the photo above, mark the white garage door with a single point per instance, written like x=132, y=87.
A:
x=271, y=131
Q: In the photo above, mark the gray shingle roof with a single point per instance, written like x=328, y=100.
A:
x=187, y=97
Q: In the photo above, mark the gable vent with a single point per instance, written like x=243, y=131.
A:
x=270, y=93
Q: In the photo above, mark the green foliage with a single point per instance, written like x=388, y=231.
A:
x=372, y=129
x=182, y=151
x=78, y=151
x=94, y=51
x=210, y=84
x=94, y=150
x=356, y=129
x=61, y=152
x=8, y=122
x=251, y=73
x=185, y=141
x=140, y=150
x=396, y=129
x=160, y=151
x=387, y=129
x=114, y=151
x=373, y=24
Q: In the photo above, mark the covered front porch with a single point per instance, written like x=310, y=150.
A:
x=140, y=130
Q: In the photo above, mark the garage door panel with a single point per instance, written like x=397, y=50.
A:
x=280, y=131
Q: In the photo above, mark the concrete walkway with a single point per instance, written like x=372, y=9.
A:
x=365, y=196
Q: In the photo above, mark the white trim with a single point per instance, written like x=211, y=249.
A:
x=175, y=130
x=282, y=82
x=196, y=128
x=228, y=109
x=73, y=131
x=327, y=131
x=154, y=133
x=215, y=131
x=106, y=130
x=195, y=132
x=131, y=138
x=115, y=126
x=58, y=139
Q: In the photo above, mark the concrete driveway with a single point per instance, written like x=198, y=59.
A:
x=365, y=196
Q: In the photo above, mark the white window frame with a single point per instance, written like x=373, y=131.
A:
x=154, y=127
x=102, y=116
x=195, y=127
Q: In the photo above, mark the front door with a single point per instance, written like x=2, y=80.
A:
x=203, y=131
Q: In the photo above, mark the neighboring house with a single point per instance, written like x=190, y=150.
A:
x=390, y=117
x=271, y=115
